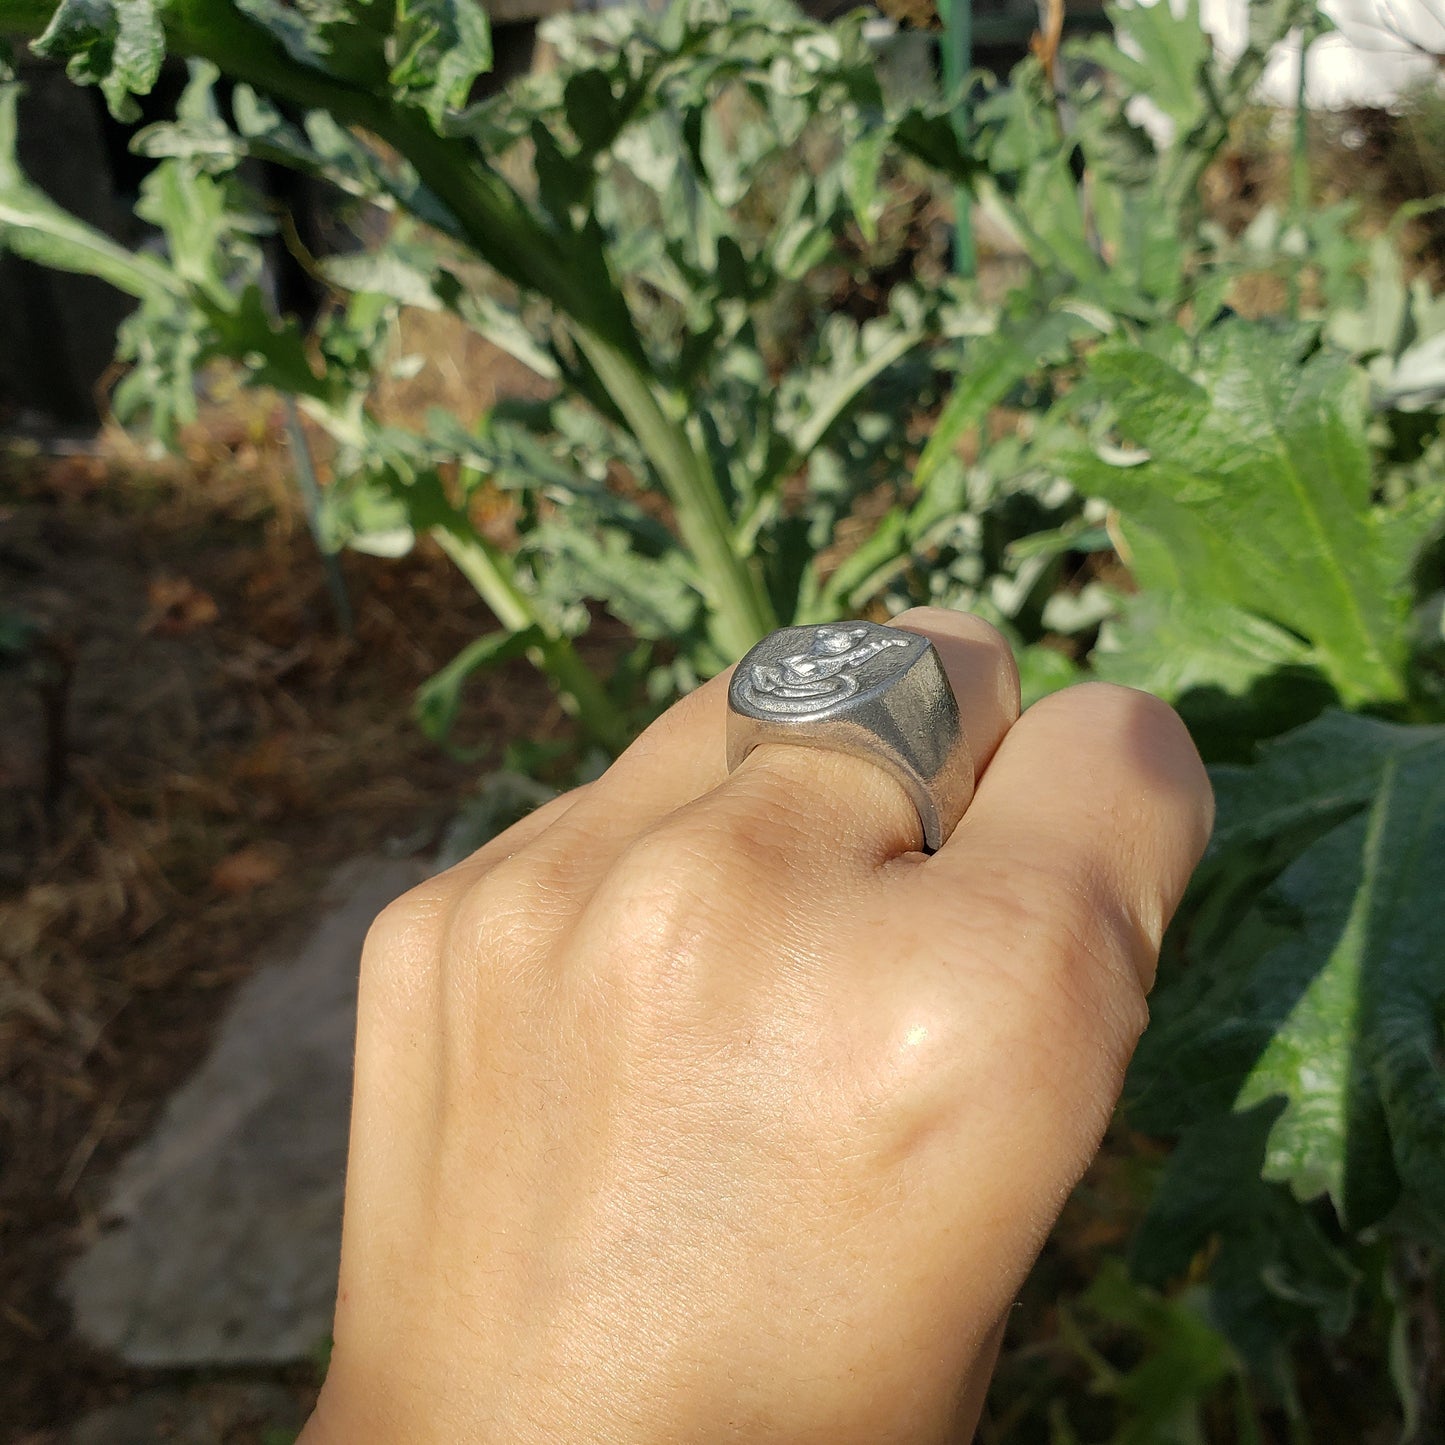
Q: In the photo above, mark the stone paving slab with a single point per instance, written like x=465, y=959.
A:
x=199, y=1416
x=222, y=1230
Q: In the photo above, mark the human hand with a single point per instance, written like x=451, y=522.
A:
x=701, y=1108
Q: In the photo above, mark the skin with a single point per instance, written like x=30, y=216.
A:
x=704, y=1108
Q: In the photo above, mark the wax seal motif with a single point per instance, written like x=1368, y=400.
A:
x=810, y=681
x=879, y=693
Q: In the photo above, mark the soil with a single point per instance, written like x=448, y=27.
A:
x=189, y=742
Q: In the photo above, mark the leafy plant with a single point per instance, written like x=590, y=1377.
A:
x=1242, y=515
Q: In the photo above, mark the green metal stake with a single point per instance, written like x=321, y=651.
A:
x=311, y=498
x=957, y=62
x=1299, y=189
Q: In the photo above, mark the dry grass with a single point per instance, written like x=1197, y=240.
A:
x=218, y=746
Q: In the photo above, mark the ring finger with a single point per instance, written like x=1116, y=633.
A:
x=844, y=806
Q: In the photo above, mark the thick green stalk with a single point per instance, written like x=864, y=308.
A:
x=496, y=222
x=742, y=611
x=488, y=570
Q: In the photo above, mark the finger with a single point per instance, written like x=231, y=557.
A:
x=1098, y=803
x=1034, y=936
x=841, y=809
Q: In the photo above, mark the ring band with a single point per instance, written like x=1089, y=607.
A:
x=877, y=693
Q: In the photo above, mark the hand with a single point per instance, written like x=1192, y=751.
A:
x=704, y=1108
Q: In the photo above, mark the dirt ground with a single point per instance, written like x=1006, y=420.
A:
x=187, y=746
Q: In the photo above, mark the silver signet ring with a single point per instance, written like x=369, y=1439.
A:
x=878, y=693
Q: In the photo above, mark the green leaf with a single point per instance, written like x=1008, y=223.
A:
x=33, y=226
x=655, y=596
x=365, y=512
x=192, y=209
x=1169, y=643
x=1313, y=777
x=437, y=50
x=118, y=45
x=1043, y=670
x=995, y=366
x=1181, y=1357
x=410, y=278
x=1358, y=1055
x=861, y=167
x=1171, y=50
x=1250, y=486
x=7, y=61
x=1314, y=1003
x=846, y=360
x=593, y=109
x=1273, y=1271
x=272, y=350
x=1229, y=672
x=439, y=698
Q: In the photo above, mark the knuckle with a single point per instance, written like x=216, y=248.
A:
x=672, y=896
x=401, y=945
x=955, y=624
x=656, y=892
x=506, y=915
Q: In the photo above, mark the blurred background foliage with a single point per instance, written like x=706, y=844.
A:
x=1180, y=429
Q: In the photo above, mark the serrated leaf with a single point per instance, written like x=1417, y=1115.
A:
x=861, y=167
x=1171, y=642
x=1314, y=1006
x=1313, y=776
x=1358, y=1055
x=995, y=366
x=342, y=38
x=437, y=50
x=191, y=208
x=272, y=349
x=118, y=45
x=410, y=279
x=439, y=698
x=1252, y=488
x=365, y=512
x=1173, y=51
x=1273, y=1271
x=1182, y=1357
x=655, y=596
x=1235, y=677
x=847, y=359
x=33, y=226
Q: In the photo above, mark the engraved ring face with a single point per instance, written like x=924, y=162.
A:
x=809, y=670
x=879, y=693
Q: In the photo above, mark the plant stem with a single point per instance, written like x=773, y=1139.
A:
x=1299, y=187
x=310, y=490
x=488, y=570
x=957, y=61
x=742, y=612
x=496, y=222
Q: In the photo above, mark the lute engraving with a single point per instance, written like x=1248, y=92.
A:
x=811, y=681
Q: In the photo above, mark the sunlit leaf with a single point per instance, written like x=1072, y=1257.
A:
x=1250, y=486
